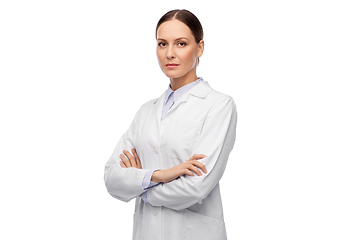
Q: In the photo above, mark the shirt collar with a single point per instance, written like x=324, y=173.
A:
x=181, y=91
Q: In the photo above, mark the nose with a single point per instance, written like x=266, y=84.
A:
x=170, y=54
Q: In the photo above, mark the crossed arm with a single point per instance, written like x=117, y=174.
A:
x=184, y=185
x=164, y=176
x=180, y=187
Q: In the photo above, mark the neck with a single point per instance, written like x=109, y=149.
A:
x=177, y=83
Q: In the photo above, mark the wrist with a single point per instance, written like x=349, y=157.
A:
x=156, y=176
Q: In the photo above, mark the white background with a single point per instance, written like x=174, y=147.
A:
x=73, y=74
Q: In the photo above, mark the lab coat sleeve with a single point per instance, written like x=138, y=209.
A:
x=124, y=183
x=216, y=141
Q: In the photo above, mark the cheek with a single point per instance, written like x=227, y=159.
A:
x=159, y=56
x=189, y=56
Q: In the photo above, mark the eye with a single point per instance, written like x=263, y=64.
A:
x=161, y=44
x=182, y=44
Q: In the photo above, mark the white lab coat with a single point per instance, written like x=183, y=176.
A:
x=202, y=121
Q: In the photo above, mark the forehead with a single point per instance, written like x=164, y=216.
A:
x=174, y=29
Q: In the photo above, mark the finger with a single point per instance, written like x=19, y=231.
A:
x=125, y=160
x=130, y=157
x=122, y=164
x=195, y=170
x=198, y=156
x=137, y=159
x=188, y=172
x=200, y=165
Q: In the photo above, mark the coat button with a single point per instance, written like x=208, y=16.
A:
x=155, y=151
x=155, y=212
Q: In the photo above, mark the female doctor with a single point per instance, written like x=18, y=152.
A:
x=175, y=151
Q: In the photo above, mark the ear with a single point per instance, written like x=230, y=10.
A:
x=200, y=48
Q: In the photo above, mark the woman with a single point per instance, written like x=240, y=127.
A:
x=179, y=144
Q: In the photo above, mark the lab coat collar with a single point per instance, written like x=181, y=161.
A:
x=201, y=90
x=181, y=91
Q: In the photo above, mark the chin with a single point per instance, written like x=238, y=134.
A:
x=174, y=73
x=169, y=75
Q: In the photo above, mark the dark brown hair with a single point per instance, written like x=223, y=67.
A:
x=188, y=18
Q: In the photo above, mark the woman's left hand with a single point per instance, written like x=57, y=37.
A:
x=129, y=160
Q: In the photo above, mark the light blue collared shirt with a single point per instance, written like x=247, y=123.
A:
x=176, y=95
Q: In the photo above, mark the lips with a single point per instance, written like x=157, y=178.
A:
x=172, y=65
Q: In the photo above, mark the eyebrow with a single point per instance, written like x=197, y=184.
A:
x=175, y=39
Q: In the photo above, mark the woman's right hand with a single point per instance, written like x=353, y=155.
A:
x=185, y=168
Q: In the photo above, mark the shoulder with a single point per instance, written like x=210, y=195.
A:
x=220, y=100
x=212, y=97
x=220, y=96
x=146, y=107
x=149, y=103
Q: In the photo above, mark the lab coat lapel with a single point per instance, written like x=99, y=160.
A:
x=182, y=99
x=201, y=90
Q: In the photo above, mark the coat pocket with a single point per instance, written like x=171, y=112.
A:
x=197, y=226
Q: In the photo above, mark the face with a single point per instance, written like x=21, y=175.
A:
x=177, y=50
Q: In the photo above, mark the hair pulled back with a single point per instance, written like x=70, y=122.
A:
x=188, y=18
